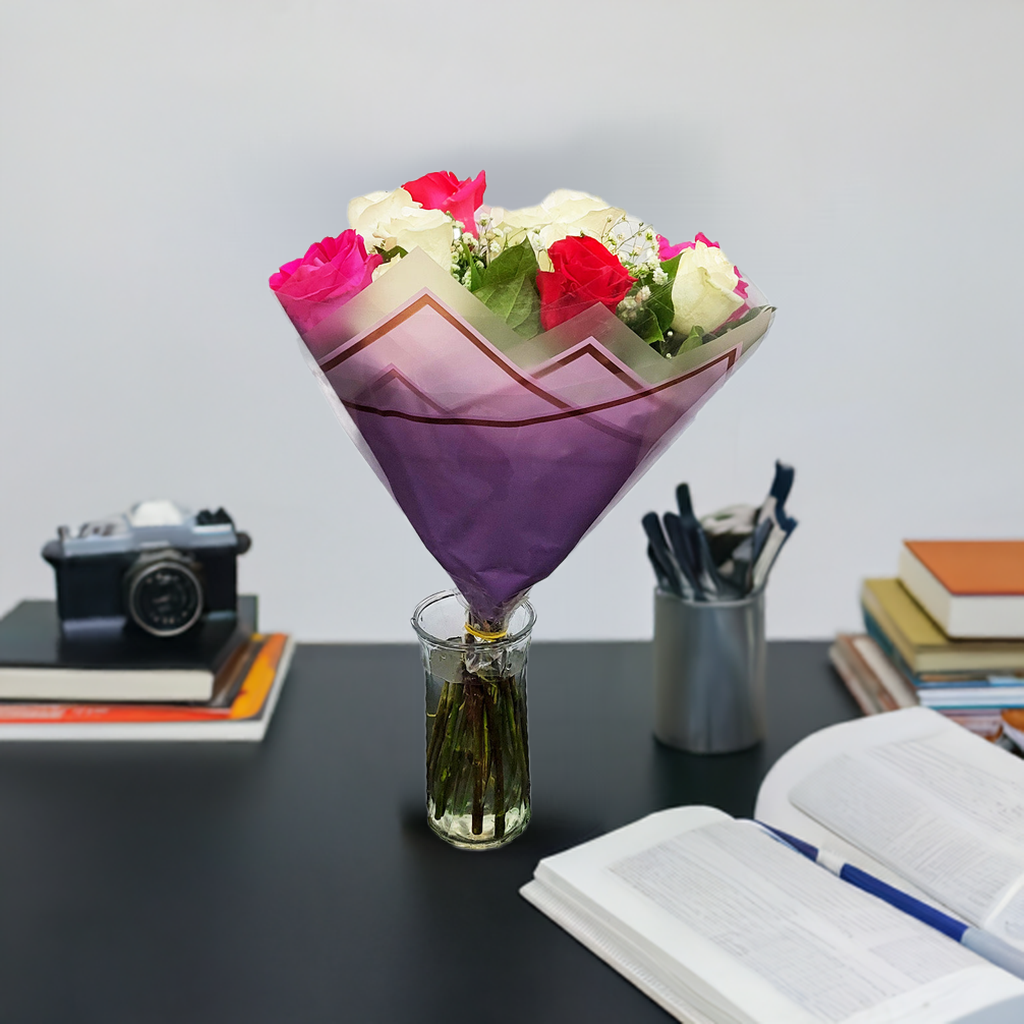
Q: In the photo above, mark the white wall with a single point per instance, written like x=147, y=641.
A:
x=861, y=162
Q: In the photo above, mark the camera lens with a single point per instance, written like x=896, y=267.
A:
x=165, y=597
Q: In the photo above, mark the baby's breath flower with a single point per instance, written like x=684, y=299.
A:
x=633, y=242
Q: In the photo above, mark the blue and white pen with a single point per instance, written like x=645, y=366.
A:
x=986, y=945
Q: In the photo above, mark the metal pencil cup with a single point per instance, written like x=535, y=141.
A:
x=709, y=672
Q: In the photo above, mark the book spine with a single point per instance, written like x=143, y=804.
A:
x=901, y=693
x=871, y=608
x=260, y=678
x=867, y=672
x=887, y=646
x=925, y=588
x=60, y=714
x=868, y=703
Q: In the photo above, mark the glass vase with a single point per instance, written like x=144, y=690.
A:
x=478, y=766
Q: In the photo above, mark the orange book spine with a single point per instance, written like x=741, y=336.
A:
x=97, y=713
x=259, y=679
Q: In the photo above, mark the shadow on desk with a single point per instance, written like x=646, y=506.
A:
x=297, y=880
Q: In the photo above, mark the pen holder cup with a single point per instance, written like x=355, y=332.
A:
x=709, y=673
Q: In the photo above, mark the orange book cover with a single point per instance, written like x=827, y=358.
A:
x=974, y=567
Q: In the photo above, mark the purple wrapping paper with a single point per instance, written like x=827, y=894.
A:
x=504, y=452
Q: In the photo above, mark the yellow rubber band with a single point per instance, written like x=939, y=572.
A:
x=481, y=635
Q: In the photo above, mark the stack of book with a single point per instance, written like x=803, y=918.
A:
x=947, y=633
x=220, y=681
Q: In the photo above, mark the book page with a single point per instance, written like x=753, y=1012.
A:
x=938, y=806
x=738, y=921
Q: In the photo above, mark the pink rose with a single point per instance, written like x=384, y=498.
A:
x=443, y=191
x=666, y=250
x=331, y=273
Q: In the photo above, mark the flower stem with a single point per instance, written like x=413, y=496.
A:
x=497, y=751
x=477, y=766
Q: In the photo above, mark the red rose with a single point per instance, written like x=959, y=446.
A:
x=331, y=272
x=585, y=273
x=443, y=191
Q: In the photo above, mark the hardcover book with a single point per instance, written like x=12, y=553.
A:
x=40, y=662
x=245, y=698
x=971, y=588
x=922, y=645
x=873, y=683
x=878, y=685
x=717, y=921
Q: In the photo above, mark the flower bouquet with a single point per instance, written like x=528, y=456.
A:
x=508, y=374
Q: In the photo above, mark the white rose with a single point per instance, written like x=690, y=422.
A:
x=562, y=213
x=387, y=219
x=703, y=292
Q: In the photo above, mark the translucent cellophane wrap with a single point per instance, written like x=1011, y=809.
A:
x=503, y=452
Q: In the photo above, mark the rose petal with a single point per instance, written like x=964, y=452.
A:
x=584, y=273
x=331, y=273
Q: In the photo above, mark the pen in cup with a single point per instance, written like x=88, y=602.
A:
x=727, y=555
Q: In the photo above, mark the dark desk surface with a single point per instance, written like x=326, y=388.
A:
x=296, y=881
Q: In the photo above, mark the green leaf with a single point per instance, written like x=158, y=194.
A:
x=660, y=302
x=508, y=289
x=693, y=340
x=675, y=344
x=390, y=254
x=476, y=277
x=654, y=317
x=645, y=323
x=730, y=324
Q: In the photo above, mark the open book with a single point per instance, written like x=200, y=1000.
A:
x=717, y=921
